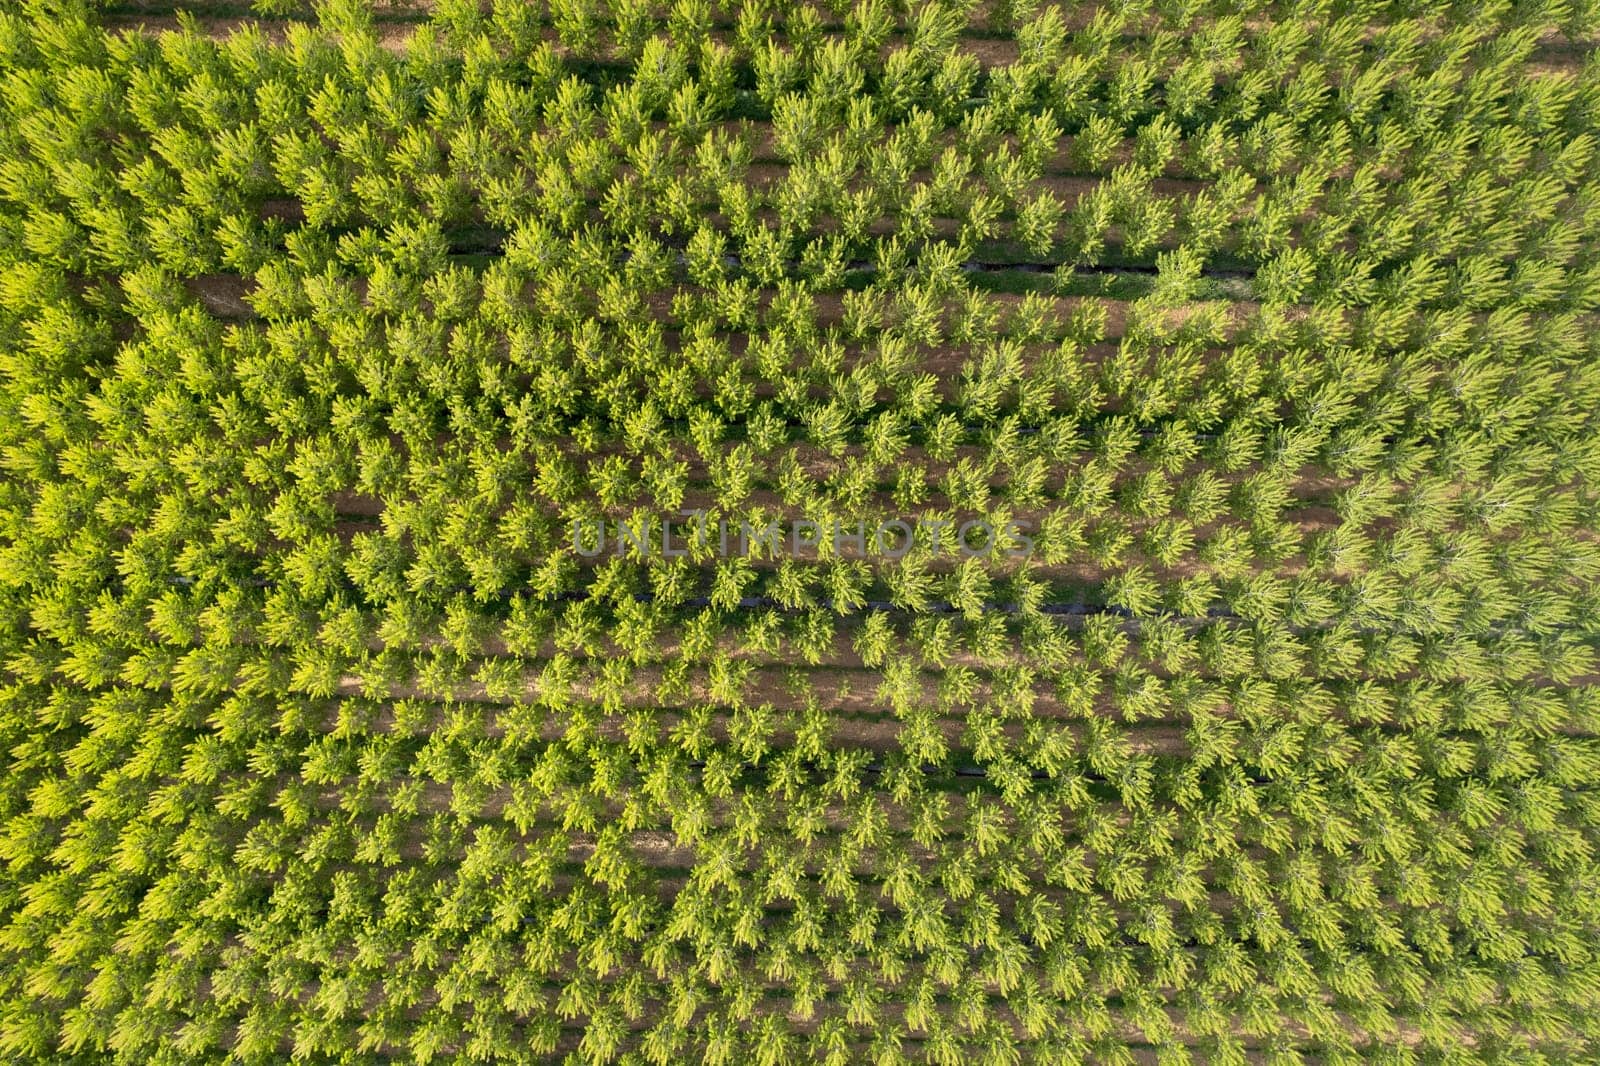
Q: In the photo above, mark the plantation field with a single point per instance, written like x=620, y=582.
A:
x=1099, y=510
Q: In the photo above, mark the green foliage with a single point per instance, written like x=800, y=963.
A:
x=323, y=326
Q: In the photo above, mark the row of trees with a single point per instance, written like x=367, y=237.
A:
x=355, y=134
x=1089, y=900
